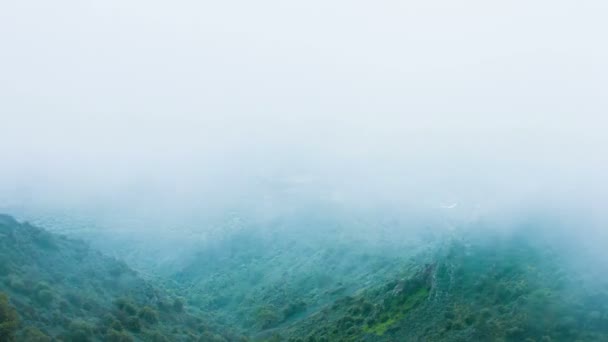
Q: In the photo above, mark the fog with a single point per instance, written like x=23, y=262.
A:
x=149, y=109
x=270, y=170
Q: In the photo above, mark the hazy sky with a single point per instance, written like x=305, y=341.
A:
x=103, y=96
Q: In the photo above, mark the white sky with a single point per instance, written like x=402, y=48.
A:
x=98, y=95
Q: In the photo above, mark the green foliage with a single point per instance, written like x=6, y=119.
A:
x=33, y=334
x=267, y=317
x=210, y=337
x=67, y=292
x=178, y=304
x=148, y=314
x=127, y=306
x=468, y=288
x=79, y=331
x=9, y=320
x=43, y=238
x=133, y=323
x=118, y=336
x=293, y=308
x=17, y=284
x=396, y=312
x=5, y=267
x=44, y=297
x=116, y=325
x=157, y=337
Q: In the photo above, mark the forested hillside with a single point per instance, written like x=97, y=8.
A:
x=55, y=288
x=470, y=285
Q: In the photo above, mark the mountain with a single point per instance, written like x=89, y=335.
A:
x=312, y=279
x=526, y=283
x=58, y=289
x=490, y=289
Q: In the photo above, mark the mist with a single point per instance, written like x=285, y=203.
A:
x=200, y=105
x=289, y=171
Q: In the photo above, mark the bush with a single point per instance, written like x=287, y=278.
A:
x=116, y=325
x=157, y=337
x=148, y=314
x=16, y=283
x=44, y=297
x=126, y=306
x=210, y=337
x=80, y=331
x=9, y=320
x=117, y=269
x=44, y=239
x=33, y=334
x=118, y=336
x=266, y=317
x=5, y=267
x=133, y=323
x=74, y=299
x=178, y=305
x=163, y=306
x=294, y=308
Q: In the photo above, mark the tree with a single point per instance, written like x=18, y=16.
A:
x=9, y=320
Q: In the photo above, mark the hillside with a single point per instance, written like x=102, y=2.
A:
x=479, y=284
x=477, y=288
x=287, y=283
x=55, y=288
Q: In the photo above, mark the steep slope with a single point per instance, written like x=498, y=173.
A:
x=262, y=281
x=319, y=279
x=63, y=290
x=476, y=288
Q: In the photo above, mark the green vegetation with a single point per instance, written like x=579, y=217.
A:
x=60, y=289
x=489, y=289
x=472, y=286
x=395, y=313
x=9, y=321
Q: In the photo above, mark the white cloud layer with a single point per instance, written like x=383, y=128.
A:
x=379, y=100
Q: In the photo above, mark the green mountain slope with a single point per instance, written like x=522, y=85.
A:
x=262, y=282
x=318, y=283
x=55, y=288
x=494, y=288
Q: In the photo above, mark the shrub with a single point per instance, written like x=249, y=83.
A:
x=5, y=267
x=33, y=334
x=116, y=325
x=117, y=269
x=178, y=305
x=16, y=283
x=64, y=306
x=294, y=308
x=148, y=314
x=210, y=337
x=44, y=239
x=157, y=337
x=118, y=336
x=74, y=299
x=79, y=331
x=9, y=321
x=126, y=306
x=44, y=297
x=266, y=317
x=133, y=323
